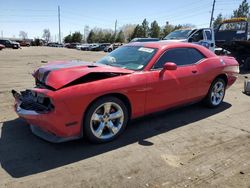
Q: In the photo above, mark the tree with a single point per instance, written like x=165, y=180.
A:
x=242, y=11
x=155, y=30
x=91, y=37
x=68, y=39
x=168, y=28
x=76, y=37
x=138, y=32
x=46, y=35
x=120, y=37
x=145, y=28
x=218, y=21
x=128, y=30
x=23, y=35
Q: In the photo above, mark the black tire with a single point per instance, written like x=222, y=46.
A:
x=209, y=102
x=109, y=50
x=87, y=123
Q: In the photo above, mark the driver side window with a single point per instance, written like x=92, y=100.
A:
x=198, y=36
x=179, y=56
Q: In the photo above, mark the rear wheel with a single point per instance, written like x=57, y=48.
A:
x=216, y=93
x=105, y=120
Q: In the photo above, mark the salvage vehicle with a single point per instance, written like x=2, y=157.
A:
x=9, y=44
x=75, y=99
x=233, y=36
x=2, y=46
x=202, y=36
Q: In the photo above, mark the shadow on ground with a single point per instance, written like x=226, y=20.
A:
x=23, y=154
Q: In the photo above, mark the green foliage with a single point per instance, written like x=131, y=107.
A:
x=145, y=28
x=67, y=39
x=242, y=11
x=168, y=28
x=91, y=37
x=120, y=37
x=155, y=30
x=218, y=21
x=76, y=37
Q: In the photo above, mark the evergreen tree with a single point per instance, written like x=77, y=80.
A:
x=145, y=28
x=76, y=37
x=155, y=30
x=68, y=39
x=242, y=11
x=91, y=37
x=120, y=37
x=218, y=21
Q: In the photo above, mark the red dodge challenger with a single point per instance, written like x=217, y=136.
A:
x=75, y=99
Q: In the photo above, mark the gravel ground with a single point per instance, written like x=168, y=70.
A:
x=187, y=147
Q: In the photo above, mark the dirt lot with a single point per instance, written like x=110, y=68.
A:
x=188, y=147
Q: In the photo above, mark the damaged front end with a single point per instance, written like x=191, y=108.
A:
x=32, y=101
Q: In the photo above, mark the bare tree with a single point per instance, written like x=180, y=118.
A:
x=46, y=35
x=23, y=35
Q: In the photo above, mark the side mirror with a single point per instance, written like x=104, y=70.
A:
x=169, y=66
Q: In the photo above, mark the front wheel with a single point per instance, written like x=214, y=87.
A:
x=105, y=120
x=216, y=93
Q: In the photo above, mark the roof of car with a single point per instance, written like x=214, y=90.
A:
x=162, y=45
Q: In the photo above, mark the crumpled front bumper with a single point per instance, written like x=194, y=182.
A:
x=44, y=125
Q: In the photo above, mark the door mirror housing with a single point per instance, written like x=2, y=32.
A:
x=169, y=66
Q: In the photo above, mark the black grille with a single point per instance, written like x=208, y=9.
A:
x=29, y=103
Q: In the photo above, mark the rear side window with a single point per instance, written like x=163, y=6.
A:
x=208, y=34
x=195, y=55
x=179, y=56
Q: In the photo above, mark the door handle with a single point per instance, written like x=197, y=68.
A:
x=194, y=71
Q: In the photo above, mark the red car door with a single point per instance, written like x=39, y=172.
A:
x=171, y=88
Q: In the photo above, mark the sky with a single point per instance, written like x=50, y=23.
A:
x=32, y=16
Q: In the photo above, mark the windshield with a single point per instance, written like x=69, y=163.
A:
x=129, y=57
x=234, y=26
x=178, y=34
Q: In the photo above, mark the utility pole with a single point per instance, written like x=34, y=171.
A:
x=115, y=26
x=59, y=24
x=2, y=34
x=212, y=15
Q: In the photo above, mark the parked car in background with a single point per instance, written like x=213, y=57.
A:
x=78, y=47
x=2, y=46
x=112, y=47
x=9, y=44
x=55, y=44
x=99, y=47
x=72, y=45
x=96, y=100
x=144, y=39
x=24, y=43
x=203, y=36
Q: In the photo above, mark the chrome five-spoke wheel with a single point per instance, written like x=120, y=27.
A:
x=105, y=120
x=218, y=92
